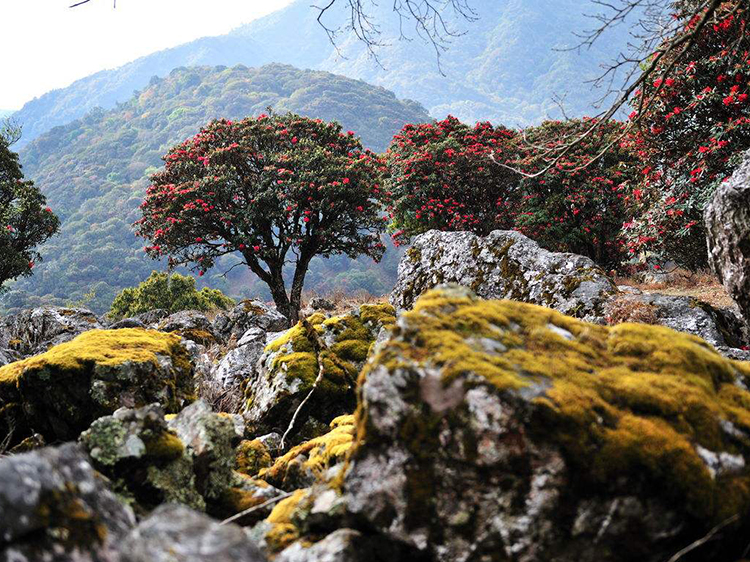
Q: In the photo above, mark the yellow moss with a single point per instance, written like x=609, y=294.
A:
x=284, y=532
x=166, y=446
x=105, y=348
x=382, y=314
x=321, y=452
x=624, y=400
x=251, y=457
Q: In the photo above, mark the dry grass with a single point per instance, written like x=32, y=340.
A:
x=344, y=302
x=626, y=309
x=701, y=285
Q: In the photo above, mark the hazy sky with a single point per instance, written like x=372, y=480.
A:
x=45, y=45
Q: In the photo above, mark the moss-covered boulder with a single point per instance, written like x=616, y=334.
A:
x=59, y=393
x=496, y=430
x=503, y=265
x=330, y=351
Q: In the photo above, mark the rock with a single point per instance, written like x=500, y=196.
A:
x=720, y=328
x=59, y=393
x=191, y=325
x=504, y=264
x=153, y=317
x=498, y=430
x=34, y=331
x=252, y=456
x=240, y=363
x=290, y=365
x=128, y=323
x=246, y=315
x=343, y=545
x=727, y=221
x=319, y=303
x=272, y=442
x=146, y=461
x=54, y=506
x=175, y=533
x=8, y=356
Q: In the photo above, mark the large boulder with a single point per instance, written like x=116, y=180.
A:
x=727, y=220
x=191, y=325
x=246, y=315
x=55, y=507
x=174, y=533
x=334, y=348
x=498, y=430
x=59, y=393
x=34, y=331
x=504, y=264
x=240, y=363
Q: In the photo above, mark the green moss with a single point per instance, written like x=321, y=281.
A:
x=627, y=400
x=251, y=457
x=165, y=446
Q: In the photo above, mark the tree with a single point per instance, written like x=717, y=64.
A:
x=693, y=129
x=441, y=178
x=169, y=292
x=25, y=220
x=276, y=189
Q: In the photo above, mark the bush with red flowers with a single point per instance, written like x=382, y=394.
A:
x=276, y=189
x=694, y=125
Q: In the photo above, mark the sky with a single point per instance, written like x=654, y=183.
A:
x=46, y=45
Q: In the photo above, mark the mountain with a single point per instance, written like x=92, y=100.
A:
x=94, y=172
x=5, y=113
x=485, y=72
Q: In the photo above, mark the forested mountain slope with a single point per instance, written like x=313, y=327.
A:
x=486, y=70
x=94, y=171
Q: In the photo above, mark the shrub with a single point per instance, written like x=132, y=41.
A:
x=169, y=292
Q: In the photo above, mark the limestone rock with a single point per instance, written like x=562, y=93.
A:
x=175, y=533
x=246, y=315
x=290, y=365
x=55, y=507
x=34, y=331
x=727, y=220
x=497, y=430
x=240, y=363
x=59, y=393
x=504, y=264
x=191, y=325
x=319, y=303
x=343, y=545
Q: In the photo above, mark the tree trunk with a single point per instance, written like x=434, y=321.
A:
x=295, y=297
x=280, y=298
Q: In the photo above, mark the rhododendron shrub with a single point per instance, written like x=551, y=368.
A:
x=276, y=189
x=25, y=220
x=442, y=177
x=694, y=126
x=580, y=204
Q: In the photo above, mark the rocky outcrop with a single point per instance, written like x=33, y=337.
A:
x=175, y=533
x=240, y=363
x=59, y=393
x=504, y=264
x=327, y=350
x=247, y=315
x=35, y=331
x=191, y=325
x=54, y=506
x=728, y=234
x=500, y=430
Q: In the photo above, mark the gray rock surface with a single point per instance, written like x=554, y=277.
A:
x=174, y=533
x=343, y=545
x=190, y=324
x=240, y=363
x=34, y=331
x=727, y=220
x=503, y=265
x=246, y=315
x=55, y=507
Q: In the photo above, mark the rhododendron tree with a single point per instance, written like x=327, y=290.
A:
x=580, y=204
x=25, y=220
x=694, y=126
x=442, y=177
x=276, y=189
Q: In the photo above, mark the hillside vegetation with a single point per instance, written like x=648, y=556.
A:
x=94, y=172
x=486, y=69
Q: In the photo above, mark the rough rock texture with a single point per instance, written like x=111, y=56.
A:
x=247, y=315
x=34, y=331
x=497, y=430
x=343, y=545
x=55, y=507
x=146, y=462
x=191, y=325
x=720, y=328
x=728, y=234
x=175, y=533
x=59, y=393
x=504, y=264
x=240, y=363
x=336, y=347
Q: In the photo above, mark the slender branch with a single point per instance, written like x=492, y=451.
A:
x=250, y=510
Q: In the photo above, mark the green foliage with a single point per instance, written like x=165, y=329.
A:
x=25, y=220
x=95, y=172
x=168, y=292
x=265, y=188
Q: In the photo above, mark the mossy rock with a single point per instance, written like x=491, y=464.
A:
x=570, y=434
x=59, y=393
x=334, y=348
x=251, y=457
